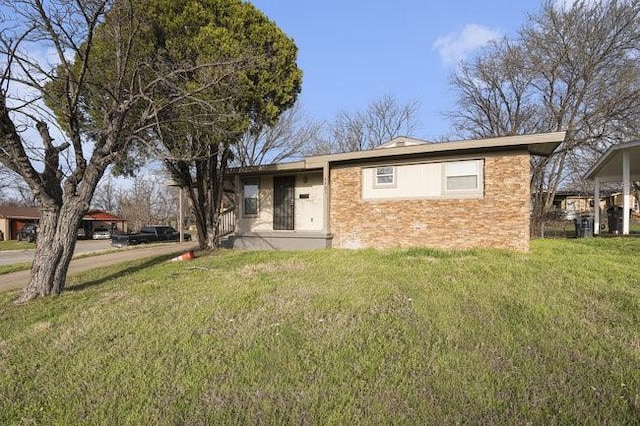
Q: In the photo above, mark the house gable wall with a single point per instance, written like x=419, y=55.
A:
x=497, y=219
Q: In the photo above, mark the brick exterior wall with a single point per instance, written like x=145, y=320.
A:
x=500, y=219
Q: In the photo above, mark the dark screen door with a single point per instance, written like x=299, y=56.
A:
x=283, y=202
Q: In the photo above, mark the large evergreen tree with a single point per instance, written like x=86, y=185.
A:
x=125, y=72
x=198, y=143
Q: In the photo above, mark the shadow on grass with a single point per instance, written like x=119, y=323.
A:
x=150, y=262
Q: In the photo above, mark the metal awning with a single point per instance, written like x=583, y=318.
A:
x=621, y=163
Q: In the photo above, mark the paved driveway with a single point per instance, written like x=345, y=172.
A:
x=9, y=257
x=18, y=280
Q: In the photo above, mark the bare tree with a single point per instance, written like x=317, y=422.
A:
x=384, y=119
x=147, y=201
x=135, y=204
x=495, y=94
x=99, y=108
x=288, y=139
x=105, y=195
x=572, y=68
x=11, y=185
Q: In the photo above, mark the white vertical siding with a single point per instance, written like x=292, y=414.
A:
x=418, y=181
x=309, y=211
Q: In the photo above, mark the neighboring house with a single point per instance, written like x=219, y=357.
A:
x=13, y=219
x=473, y=193
x=572, y=204
x=617, y=200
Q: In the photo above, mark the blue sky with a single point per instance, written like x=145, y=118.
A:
x=354, y=51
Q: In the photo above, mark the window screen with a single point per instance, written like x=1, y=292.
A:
x=385, y=176
x=251, y=197
x=462, y=175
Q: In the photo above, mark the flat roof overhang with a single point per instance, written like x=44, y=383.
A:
x=297, y=166
x=621, y=162
x=542, y=144
x=609, y=167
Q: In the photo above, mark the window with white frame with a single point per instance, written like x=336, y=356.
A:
x=385, y=176
x=250, y=191
x=463, y=177
x=450, y=179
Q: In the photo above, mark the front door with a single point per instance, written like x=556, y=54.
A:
x=283, y=202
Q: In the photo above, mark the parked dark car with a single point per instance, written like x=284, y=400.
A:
x=148, y=234
x=28, y=233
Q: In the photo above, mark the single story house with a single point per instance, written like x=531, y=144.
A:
x=13, y=219
x=575, y=202
x=407, y=193
x=569, y=205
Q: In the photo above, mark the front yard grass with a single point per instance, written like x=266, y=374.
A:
x=14, y=267
x=15, y=245
x=414, y=336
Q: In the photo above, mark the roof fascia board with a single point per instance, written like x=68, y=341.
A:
x=270, y=168
x=537, y=144
x=552, y=140
x=602, y=161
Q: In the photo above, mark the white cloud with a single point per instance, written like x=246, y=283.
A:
x=568, y=4
x=456, y=46
x=47, y=56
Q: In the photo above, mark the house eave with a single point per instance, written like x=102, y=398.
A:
x=297, y=166
x=539, y=144
x=608, y=168
x=542, y=144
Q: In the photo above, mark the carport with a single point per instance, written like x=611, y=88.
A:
x=14, y=218
x=98, y=218
x=621, y=163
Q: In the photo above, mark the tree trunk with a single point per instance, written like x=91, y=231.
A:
x=56, y=242
x=217, y=192
x=198, y=214
x=205, y=193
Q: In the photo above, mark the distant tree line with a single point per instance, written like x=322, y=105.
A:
x=573, y=67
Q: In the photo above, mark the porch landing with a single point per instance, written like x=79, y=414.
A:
x=278, y=240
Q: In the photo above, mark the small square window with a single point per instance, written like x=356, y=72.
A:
x=385, y=176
